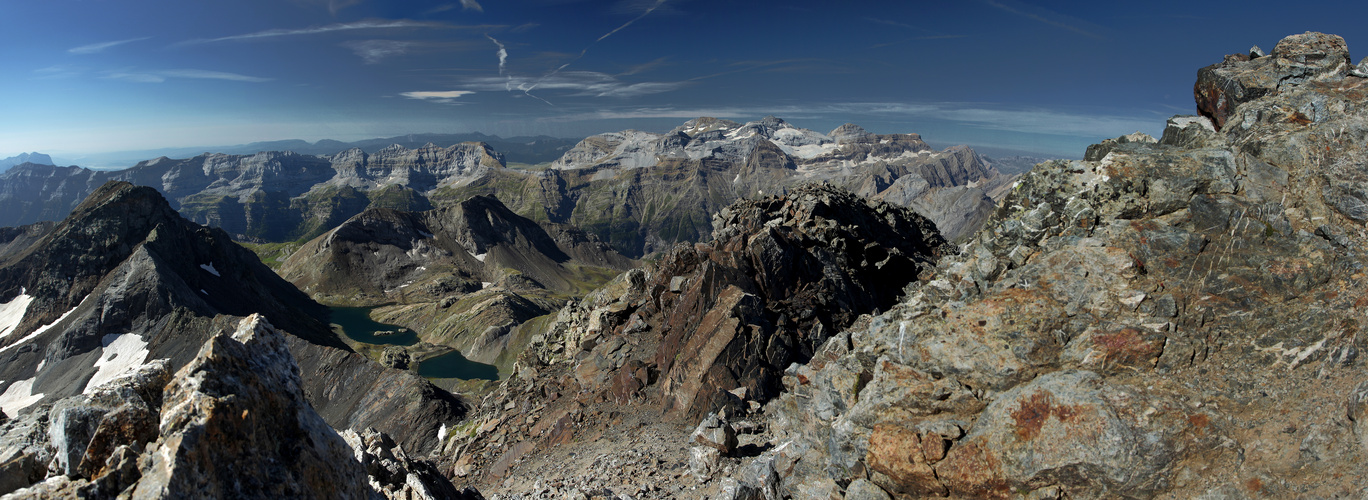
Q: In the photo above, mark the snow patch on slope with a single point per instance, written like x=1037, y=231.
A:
x=210, y=269
x=12, y=312
x=43, y=328
x=19, y=396
x=122, y=354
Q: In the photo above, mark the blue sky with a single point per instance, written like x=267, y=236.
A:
x=85, y=76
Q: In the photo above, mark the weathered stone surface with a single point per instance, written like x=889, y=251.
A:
x=716, y=433
x=1166, y=319
x=864, y=489
x=395, y=475
x=1297, y=59
x=235, y=423
x=232, y=423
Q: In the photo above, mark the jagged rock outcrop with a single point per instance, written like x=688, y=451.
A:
x=1297, y=60
x=782, y=274
x=124, y=280
x=231, y=423
x=1166, y=319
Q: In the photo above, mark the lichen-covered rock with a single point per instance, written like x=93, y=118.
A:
x=1163, y=319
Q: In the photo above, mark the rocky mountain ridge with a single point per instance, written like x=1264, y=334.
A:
x=706, y=328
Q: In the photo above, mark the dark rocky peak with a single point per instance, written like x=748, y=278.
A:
x=780, y=276
x=482, y=222
x=774, y=122
x=1296, y=60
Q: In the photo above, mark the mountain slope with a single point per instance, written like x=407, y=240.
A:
x=465, y=276
x=124, y=280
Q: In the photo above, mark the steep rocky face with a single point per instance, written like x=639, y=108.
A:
x=233, y=422
x=782, y=274
x=707, y=327
x=124, y=280
x=1168, y=318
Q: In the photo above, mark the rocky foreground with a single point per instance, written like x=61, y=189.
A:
x=1168, y=318
x=231, y=423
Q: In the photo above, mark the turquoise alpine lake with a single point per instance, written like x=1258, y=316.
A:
x=357, y=325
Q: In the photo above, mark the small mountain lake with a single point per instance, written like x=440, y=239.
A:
x=357, y=325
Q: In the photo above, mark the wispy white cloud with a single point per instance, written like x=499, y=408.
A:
x=160, y=76
x=58, y=71
x=471, y=5
x=213, y=75
x=374, y=51
x=96, y=48
x=360, y=25
x=439, y=96
x=577, y=83
x=1045, y=16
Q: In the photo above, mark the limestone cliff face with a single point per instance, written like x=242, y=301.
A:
x=1169, y=317
x=124, y=280
x=643, y=192
x=272, y=195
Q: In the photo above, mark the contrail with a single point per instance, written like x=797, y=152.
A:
x=503, y=58
x=648, y=12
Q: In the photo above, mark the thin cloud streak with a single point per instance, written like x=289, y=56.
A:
x=96, y=48
x=275, y=33
x=528, y=89
x=1043, y=19
x=375, y=51
x=471, y=5
x=579, y=83
x=197, y=74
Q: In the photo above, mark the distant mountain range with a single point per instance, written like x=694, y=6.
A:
x=638, y=191
x=37, y=158
x=532, y=150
